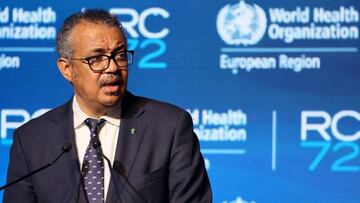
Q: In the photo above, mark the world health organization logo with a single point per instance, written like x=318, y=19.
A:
x=241, y=24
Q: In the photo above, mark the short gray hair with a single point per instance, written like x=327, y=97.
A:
x=102, y=16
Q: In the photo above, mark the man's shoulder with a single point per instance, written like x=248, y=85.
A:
x=160, y=107
x=159, y=112
x=47, y=119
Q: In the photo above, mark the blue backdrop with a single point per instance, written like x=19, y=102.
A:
x=272, y=86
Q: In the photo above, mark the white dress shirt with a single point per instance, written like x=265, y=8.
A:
x=108, y=136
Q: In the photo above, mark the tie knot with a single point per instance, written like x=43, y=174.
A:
x=94, y=125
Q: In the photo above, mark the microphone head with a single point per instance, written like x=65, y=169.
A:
x=66, y=148
x=95, y=142
x=118, y=167
x=85, y=167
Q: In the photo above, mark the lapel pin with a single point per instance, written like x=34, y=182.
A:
x=132, y=131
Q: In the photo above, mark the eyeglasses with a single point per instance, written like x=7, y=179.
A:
x=99, y=63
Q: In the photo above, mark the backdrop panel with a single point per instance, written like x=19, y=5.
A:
x=272, y=86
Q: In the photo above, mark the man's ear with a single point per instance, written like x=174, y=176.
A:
x=65, y=68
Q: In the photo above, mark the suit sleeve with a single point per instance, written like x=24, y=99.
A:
x=22, y=191
x=188, y=179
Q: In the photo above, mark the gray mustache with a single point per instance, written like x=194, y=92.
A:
x=109, y=79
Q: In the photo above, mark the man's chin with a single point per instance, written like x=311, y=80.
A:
x=111, y=100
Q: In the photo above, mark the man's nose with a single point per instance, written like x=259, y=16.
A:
x=112, y=66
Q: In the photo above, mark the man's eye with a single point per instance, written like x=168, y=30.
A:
x=120, y=56
x=96, y=59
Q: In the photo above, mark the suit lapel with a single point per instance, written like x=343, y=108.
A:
x=130, y=137
x=131, y=132
x=64, y=134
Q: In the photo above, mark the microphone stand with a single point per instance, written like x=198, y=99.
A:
x=97, y=145
x=64, y=149
x=117, y=167
x=120, y=170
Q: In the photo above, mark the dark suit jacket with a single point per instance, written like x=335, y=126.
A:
x=160, y=159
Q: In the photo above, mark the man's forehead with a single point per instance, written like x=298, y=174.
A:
x=95, y=33
x=118, y=47
x=97, y=25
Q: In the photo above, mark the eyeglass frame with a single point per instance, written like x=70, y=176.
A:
x=112, y=56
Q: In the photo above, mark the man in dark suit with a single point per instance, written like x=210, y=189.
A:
x=153, y=152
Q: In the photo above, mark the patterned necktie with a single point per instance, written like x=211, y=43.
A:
x=93, y=166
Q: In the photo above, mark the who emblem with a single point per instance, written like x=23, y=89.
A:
x=241, y=24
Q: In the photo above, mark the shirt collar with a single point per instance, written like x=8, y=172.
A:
x=113, y=117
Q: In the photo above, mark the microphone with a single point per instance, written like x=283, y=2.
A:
x=95, y=142
x=85, y=167
x=64, y=149
x=119, y=168
x=84, y=171
x=97, y=145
